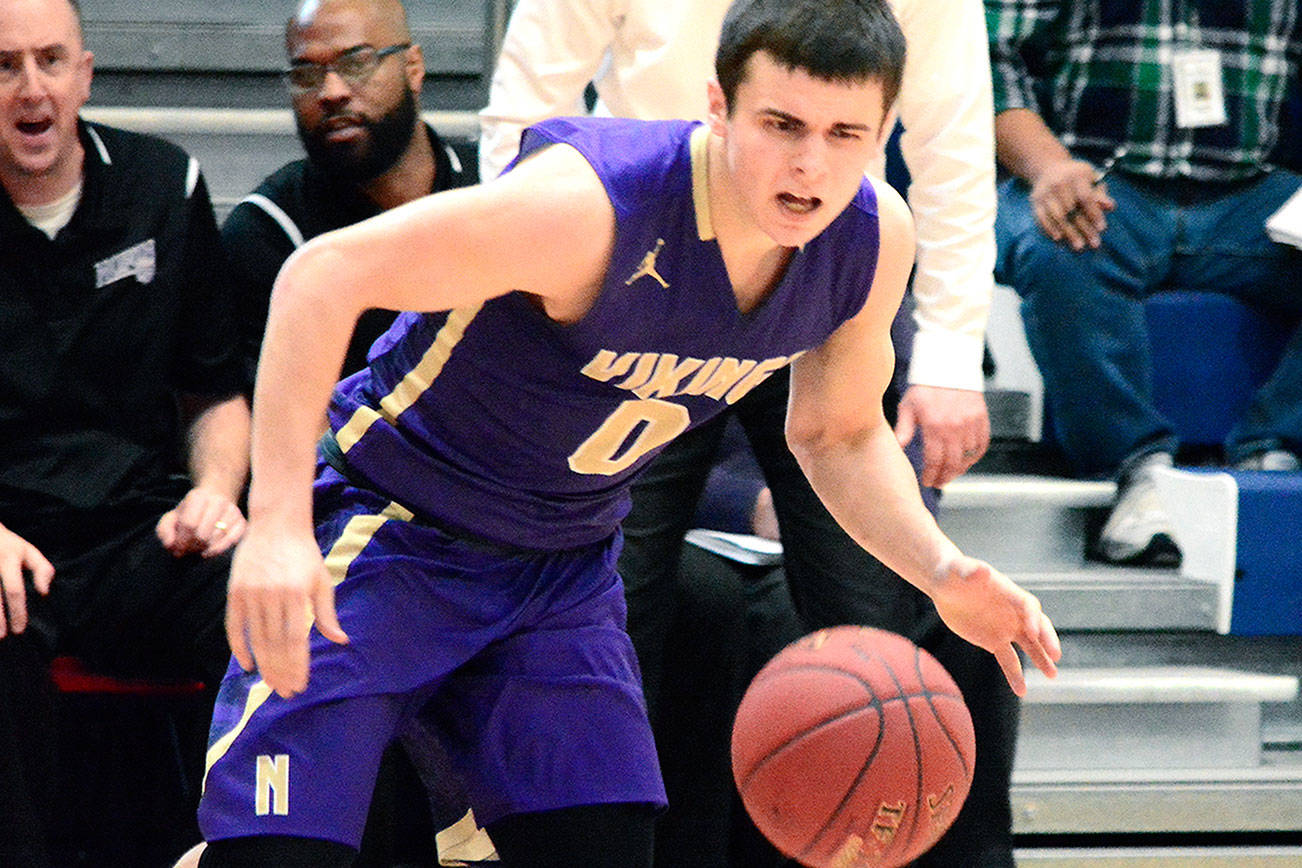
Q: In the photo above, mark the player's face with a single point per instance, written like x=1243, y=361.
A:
x=44, y=81
x=796, y=146
x=355, y=126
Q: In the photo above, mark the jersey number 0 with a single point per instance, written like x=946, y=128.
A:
x=650, y=423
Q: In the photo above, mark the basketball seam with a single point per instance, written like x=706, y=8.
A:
x=917, y=743
x=812, y=729
x=877, y=704
x=940, y=721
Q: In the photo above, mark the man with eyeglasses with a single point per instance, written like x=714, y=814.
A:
x=354, y=79
x=114, y=312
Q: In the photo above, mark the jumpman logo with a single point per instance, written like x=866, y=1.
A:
x=648, y=266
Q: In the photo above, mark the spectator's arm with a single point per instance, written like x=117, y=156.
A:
x=208, y=519
x=551, y=50
x=1068, y=205
x=948, y=144
x=209, y=380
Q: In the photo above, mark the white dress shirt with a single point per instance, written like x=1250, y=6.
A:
x=651, y=59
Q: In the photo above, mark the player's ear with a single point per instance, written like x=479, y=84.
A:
x=718, y=106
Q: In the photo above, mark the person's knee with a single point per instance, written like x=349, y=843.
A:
x=191, y=857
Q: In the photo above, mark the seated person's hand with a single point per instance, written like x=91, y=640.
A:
x=18, y=556
x=955, y=429
x=1069, y=204
x=205, y=522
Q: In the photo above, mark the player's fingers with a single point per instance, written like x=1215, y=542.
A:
x=274, y=648
x=1039, y=640
x=185, y=535
x=327, y=619
x=237, y=631
x=957, y=459
x=295, y=649
x=1049, y=638
x=1011, y=664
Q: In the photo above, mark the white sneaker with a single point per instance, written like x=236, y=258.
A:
x=1277, y=460
x=1138, y=531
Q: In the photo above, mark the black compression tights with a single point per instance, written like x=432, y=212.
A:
x=591, y=836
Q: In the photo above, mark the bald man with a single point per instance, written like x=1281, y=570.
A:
x=354, y=80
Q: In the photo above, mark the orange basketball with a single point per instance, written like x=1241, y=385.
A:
x=853, y=748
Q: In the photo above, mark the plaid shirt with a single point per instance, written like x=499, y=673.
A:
x=1099, y=72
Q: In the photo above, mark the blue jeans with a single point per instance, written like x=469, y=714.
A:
x=1084, y=312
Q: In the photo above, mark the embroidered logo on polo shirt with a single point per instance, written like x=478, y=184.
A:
x=137, y=261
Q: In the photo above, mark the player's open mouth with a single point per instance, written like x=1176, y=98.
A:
x=799, y=204
x=34, y=128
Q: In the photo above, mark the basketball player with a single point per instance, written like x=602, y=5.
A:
x=624, y=281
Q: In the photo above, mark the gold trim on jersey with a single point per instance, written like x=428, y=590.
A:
x=414, y=384
x=701, y=182
x=357, y=534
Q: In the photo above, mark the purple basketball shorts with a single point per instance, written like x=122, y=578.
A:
x=517, y=659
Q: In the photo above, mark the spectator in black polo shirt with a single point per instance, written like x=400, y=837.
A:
x=124, y=429
x=355, y=80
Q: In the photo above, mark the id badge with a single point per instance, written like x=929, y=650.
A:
x=1199, y=90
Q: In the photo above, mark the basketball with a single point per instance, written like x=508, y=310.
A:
x=852, y=748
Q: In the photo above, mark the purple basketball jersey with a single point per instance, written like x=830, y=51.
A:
x=502, y=422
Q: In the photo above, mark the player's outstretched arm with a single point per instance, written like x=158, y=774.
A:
x=545, y=228
x=837, y=431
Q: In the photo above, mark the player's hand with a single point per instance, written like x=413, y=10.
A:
x=18, y=556
x=955, y=429
x=205, y=522
x=279, y=587
x=988, y=609
x=1069, y=205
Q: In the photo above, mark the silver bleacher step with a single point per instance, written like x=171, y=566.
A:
x=1146, y=717
x=1033, y=528
x=1054, y=802
x=1160, y=857
x=1154, y=749
x=1099, y=597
